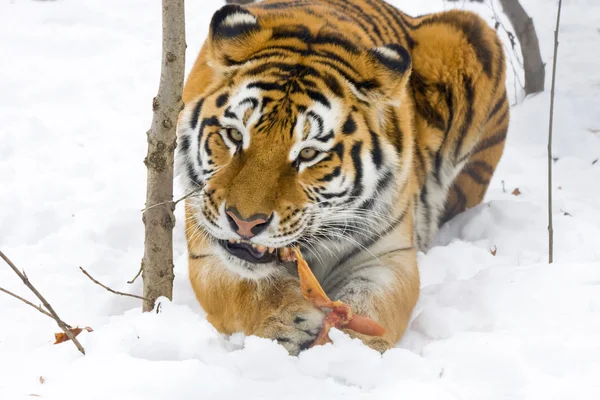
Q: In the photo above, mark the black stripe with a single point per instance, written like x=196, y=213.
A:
x=498, y=106
x=329, y=58
x=327, y=137
x=420, y=157
x=282, y=5
x=446, y=90
x=330, y=176
x=283, y=70
x=456, y=208
x=426, y=213
x=328, y=196
x=424, y=107
x=267, y=86
x=299, y=31
x=270, y=52
x=222, y=99
x=401, y=23
x=468, y=118
x=267, y=66
x=333, y=85
x=357, y=189
x=193, y=175
x=376, y=153
x=335, y=40
x=349, y=126
x=206, y=147
x=359, y=15
x=212, y=121
x=318, y=119
x=253, y=101
x=383, y=183
x=184, y=145
x=473, y=168
x=196, y=114
x=397, y=135
x=388, y=23
x=317, y=96
x=491, y=141
x=229, y=114
x=339, y=150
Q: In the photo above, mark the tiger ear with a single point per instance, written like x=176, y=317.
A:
x=233, y=33
x=389, y=68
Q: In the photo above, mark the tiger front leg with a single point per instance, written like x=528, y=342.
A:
x=294, y=325
x=386, y=291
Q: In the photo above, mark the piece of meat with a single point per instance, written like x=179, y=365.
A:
x=341, y=315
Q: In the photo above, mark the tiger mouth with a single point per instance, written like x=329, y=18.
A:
x=257, y=254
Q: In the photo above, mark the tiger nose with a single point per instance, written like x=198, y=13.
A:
x=247, y=227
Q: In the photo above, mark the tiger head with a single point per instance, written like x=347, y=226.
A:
x=288, y=137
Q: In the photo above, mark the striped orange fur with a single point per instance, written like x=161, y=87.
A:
x=344, y=127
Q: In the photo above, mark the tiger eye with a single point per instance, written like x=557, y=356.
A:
x=308, y=154
x=235, y=135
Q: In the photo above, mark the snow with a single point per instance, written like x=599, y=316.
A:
x=76, y=82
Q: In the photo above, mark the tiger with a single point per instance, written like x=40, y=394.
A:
x=345, y=128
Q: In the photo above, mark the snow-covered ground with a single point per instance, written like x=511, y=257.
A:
x=76, y=82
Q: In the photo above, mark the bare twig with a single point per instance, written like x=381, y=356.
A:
x=47, y=305
x=550, y=227
x=111, y=290
x=40, y=309
x=136, y=275
x=174, y=203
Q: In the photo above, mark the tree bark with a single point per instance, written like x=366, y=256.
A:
x=157, y=264
x=530, y=48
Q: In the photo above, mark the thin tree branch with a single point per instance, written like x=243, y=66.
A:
x=136, y=275
x=550, y=226
x=171, y=201
x=47, y=305
x=111, y=290
x=40, y=309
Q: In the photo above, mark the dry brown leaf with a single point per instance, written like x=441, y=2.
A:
x=42, y=380
x=516, y=192
x=62, y=337
x=494, y=250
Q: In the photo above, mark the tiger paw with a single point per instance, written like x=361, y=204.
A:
x=294, y=326
x=377, y=343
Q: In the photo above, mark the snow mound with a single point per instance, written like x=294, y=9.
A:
x=494, y=321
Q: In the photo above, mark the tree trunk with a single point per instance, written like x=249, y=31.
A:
x=530, y=48
x=157, y=264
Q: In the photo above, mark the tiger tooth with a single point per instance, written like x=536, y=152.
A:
x=254, y=245
x=238, y=241
x=231, y=240
x=261, y=248
x=271, y=250
x=286, y=254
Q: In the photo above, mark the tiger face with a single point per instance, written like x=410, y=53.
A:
x=282, y=145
